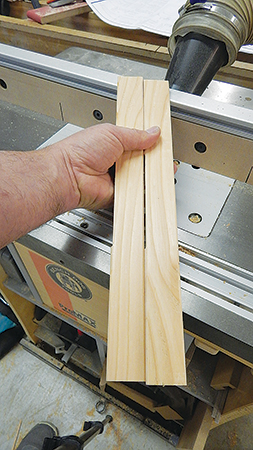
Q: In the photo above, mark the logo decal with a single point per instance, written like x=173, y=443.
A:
x=79, y=315
x=68, y=281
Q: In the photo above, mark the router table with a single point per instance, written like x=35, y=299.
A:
x=63, y=267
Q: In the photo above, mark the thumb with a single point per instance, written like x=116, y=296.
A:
x=133, y=139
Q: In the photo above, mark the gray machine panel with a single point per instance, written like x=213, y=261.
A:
x=218, y=297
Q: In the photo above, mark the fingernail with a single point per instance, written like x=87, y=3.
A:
x=153, y=130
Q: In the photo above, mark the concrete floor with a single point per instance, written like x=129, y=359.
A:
x=235, y=435
x=32, y=391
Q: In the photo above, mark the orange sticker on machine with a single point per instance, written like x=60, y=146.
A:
x=55, y=291
x=66, y=291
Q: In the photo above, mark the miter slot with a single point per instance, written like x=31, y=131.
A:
x=227, y=284
x=217, y=287
x=89, y=224
x=237, y=277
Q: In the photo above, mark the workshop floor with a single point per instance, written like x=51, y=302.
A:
x=32, y=391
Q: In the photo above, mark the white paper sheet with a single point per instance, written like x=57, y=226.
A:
x=155, y=16
x=247, y=49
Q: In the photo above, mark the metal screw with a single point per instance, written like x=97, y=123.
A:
x=84, y=225
x=195, y=218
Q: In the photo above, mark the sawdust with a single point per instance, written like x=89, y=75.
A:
x=186, y=250
x=17, y=438
x=232, y=438
x=115, y=428
x=91, y=412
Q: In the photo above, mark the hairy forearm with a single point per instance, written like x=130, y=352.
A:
x=34, y=187
x=37, y=186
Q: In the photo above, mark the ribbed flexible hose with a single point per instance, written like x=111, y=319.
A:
x=245, y=9
x=228, y=21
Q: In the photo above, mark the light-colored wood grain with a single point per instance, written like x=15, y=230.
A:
x=196, y=429
x=134, y=395
x=168, y=413
x=17, y=435
x=165, y=359
x=220, y=349
x=161, y=347
x=189, y=354
x=227, y=373
x=239, y=401
x=125, y=357
x=51, y=39
x=206, y=347
x=46, y=14
x=88, y=31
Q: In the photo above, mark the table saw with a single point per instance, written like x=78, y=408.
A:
x=64, y=266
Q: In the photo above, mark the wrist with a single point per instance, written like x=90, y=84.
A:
x=62, y=180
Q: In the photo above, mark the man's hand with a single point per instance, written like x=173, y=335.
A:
x=36, y=186
x=89, y=154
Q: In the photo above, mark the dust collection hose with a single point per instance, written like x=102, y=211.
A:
x=207, y=36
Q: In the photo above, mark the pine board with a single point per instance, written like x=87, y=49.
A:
x=145, y=333
x=165, y=359
x=125, y=358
